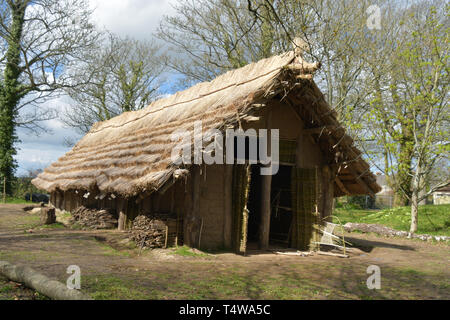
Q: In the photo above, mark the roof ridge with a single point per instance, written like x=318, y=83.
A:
x=99, y=124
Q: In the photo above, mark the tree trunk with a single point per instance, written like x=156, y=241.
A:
x=50, y=288
x=10, y=96
x=415, y=199
x=414, y=213
x=404, y=178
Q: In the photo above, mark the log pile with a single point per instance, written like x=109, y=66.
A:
x=93, y=218
x=155, y=231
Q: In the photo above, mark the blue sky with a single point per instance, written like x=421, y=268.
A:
x=135, y=18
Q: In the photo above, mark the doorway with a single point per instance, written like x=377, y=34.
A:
x=281, y=207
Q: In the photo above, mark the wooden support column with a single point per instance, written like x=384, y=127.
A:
x=266, y=186
x=123, y=204
x=266, y=182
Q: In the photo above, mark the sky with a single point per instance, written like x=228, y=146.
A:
x=134, y=18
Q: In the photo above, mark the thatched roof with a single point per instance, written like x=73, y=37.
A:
x=131, y=153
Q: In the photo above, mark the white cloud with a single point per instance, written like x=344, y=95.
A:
x=136, y=18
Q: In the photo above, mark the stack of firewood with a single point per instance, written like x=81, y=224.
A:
x=155, y=230
x=93, y=219
x=148, y=232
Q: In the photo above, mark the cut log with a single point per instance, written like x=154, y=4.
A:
x=34, y=280
x=48, y=215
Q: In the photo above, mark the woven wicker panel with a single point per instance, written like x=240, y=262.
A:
x=304, y=199
x=287, y=151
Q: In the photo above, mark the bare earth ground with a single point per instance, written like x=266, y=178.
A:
x=112, y=269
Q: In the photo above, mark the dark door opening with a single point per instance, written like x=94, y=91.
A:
x=281, y=208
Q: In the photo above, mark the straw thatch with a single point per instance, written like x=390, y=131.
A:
x=131, y=153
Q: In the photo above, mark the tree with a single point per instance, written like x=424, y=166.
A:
x=425, y=80
x=40, y=40
x=380, y=91
x=227, y=34
x=408, y=115
x=122, y=75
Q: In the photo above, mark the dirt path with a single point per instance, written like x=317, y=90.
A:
x=112, y=269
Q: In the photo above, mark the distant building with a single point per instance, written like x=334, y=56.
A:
x=442, y=196
x=384, y=198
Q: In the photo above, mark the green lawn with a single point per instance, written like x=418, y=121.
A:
x=433, y=219
x=14, y=200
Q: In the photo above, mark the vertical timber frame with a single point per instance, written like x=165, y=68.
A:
x=122, y=206
x=264, y=230
x=266, y=188
x=241, y=186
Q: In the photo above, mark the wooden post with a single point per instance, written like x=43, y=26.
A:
x=264, y=230
x=123, y=204
x=266, y=186
x=167, y=237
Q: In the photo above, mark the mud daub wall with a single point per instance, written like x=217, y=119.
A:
x=214, y=208
x=205, y=208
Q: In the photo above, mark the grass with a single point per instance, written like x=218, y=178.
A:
x=110, y=251
x=186, y=251
x=110, y=287
x=15, y=200
x=433, y=219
